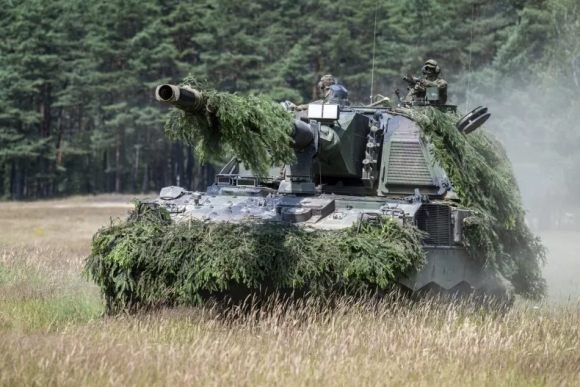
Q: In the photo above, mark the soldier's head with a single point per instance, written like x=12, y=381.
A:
x=431, y=68
x=325, y=83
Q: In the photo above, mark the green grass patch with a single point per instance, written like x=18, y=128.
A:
x=13, y=275
x=47, y=314
x=4, y=276
x=36, y=300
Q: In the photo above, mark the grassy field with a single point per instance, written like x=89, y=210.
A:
x=52, y=331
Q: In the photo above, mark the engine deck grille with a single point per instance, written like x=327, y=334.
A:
x=435, y=220
x=407, y=165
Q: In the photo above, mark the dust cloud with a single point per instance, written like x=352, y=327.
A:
x=540, y=129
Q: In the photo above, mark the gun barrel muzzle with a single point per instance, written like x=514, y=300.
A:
x=181, y=97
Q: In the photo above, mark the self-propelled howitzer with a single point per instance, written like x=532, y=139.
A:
x=353, y=163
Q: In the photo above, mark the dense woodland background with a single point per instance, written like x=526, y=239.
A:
x=77, y=78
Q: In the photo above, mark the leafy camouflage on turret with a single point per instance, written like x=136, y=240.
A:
x=254, y=128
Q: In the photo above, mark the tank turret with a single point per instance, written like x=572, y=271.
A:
x=343, y=150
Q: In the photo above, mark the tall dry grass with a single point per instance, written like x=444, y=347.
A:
x=52, y=331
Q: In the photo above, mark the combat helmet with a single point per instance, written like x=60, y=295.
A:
x=431, y=64
x=326, y=81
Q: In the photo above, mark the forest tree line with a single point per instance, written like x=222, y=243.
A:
x=77, y=107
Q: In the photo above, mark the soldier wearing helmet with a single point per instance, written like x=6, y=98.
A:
x=432, y=72
x=324, y=89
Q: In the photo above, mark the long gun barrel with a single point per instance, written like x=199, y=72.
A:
x=187, y=99
x=192, y=101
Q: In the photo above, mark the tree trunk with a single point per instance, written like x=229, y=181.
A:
x=107, y=176
x=4, y=178
x=189, y=169
x=174, y=162
x=136, y=168
x=12, y=179
x=318, y=67
x=167, y=178
x=202, y=175
x=19, y=181
x=145, y=185
x=118, y=161
x=180, y=165
x=42, y=181
x=210, y=176
x=59, y=138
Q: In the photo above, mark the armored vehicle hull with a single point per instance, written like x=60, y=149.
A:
x=448, y=269
x=353, y=164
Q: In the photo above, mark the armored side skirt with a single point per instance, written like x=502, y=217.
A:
x=451, y=270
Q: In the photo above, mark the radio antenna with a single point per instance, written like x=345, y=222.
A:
x=374, y=44
x=469, y=70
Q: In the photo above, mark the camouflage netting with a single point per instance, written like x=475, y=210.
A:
x=147, y=261
x=482, y=176
x=254, y=128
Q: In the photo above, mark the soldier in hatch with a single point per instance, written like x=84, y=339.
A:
x=323, y=87
x=432, y=73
